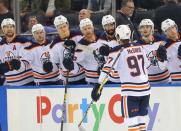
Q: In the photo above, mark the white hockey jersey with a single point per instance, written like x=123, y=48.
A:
x=156, y=74
x=88, y=60
x=57, y=52
x=174, y=63
x=132, y=68
x=113, y=76
x=8, y=51
x=36, y=55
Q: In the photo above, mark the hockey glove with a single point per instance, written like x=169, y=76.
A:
x=70, y=44
x=179, y=52
x=16, y=64
x=161, y=53
x=47, y=66
x=68, y=63
x=95, y=95
x=5, y=67
x=104, y=50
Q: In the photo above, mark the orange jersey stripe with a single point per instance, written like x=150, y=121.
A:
x=176, y=76
x=92, y=73
x=112, y=73
x=142, y=127
x=134, y=129
x=64, y=73
x=125, y=107
x=19, y=77
x=157, y=77
x=49, y=75
x=136, y=87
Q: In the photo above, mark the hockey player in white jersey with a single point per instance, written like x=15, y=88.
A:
x=93, y=59
x=170, y=29
x=44, y=71
x=10, y=46
x=151, y=43
x=132, y=66
x=57, y=49
x=93, y=62
x=109, y=26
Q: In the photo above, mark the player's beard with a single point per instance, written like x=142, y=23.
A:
x=10, y=34
x=110, y=32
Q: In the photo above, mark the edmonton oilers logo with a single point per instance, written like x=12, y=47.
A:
x=152, y=57
x=9, y=56
x=45, y=57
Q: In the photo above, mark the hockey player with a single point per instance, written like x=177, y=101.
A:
x=109, y=26
x=44, y=71
x=170, y=29
x=91, y=57
x=93, y=62
x=10, y=46
x=58, y=50
x=150, y=43
x=135, y=88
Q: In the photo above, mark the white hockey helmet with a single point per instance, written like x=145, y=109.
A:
x=37, y=27
x=60, y=20
x=7, y=21
x=85, y=22
x=108, y=19
x=167, y=24
x=123, y=32
x=148, y=22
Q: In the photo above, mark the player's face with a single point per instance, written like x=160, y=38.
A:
x=40, y=36
x=110, y=28
x=9, y=30
x=87, y=31
x=145, y=30
x=63, y=30
x=172, y=32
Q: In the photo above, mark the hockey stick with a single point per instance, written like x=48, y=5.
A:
x=64, y=101
x=100, y=89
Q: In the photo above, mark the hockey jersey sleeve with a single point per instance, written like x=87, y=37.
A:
x=108, y=65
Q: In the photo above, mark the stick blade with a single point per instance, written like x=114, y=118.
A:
x=81, y=128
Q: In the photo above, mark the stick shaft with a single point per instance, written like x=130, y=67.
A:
x=64, y=100
x=100, y=87
x=85, y=114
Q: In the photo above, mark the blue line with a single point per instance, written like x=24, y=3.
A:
x=86, y=86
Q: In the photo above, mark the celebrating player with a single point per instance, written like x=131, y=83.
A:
x=169, y=27
x=151, y=43
x=135, y=88
x=91, y=62
x=58, y=50
x=109, y=26
x=11, y=45
x=44, y=71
